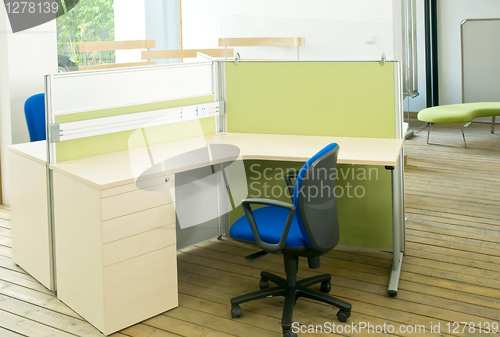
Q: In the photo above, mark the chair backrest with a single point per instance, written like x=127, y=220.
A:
x=34, y=110
x=315, y=201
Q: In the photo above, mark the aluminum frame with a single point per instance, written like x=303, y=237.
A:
x=397, y=173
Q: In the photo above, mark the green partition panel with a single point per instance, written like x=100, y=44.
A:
x=92, y=146
x=363, y=194
x=345, y=99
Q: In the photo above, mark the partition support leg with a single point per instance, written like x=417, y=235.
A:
x=397, y=232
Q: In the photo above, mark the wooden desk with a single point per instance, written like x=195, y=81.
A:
x=115, y=244
x=29, y=210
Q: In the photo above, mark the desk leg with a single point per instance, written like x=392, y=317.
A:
x=398, y=236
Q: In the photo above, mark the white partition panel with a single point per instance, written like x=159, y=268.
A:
x=94, y=90
x=481, y=60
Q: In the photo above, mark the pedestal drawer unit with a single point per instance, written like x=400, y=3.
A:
x=115, y=251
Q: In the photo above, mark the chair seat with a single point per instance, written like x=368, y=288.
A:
x=270, y=222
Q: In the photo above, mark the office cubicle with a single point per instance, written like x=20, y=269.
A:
x=120, y=118
x=342, y=99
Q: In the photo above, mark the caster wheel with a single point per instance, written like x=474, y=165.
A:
x=289, y=333
x=236, y=311
x=326, y=286
x=342, y=316
x=263, y=284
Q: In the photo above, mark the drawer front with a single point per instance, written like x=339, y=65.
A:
x=136, y=223
x=132, y=202
x=109, y=192
x=133, y=246
x=140, y=288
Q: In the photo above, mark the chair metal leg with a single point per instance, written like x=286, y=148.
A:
x=314, y=295
x=314, y=280
x=429, y=133
x=274, y=291
x=273, y=278
x=493, y=121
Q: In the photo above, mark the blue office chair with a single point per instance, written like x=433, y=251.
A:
x=34, y=110
x=308, y=228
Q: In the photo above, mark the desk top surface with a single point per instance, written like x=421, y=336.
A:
x=36, y=151
x=123, y=167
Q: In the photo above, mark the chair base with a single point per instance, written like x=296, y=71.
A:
x=292, y=289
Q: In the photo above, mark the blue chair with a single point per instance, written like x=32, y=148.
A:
x=308, y=227
x=34, y=110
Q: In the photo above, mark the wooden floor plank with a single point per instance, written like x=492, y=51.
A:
x=47, y=301
x=65, y=323
x=23, y=280
x=5, y=232
x=183, y=327
x=27, y=327
x=8, y=263
x=142, y=330
x=5, y=241
x=6, y=252
x=8, y=333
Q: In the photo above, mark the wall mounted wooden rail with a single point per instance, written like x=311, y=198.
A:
x=84, y=47
x=117, y=65
x=262, y=41
x=185, y=53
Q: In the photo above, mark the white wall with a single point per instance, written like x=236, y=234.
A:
x=129, y=25
x=163, y=25
x=201, y=19
x=5, y=131
x=450, y=15
x=25, y=58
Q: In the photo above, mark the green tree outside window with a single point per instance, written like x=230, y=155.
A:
x=88, y=21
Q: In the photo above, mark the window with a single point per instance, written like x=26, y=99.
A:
x=88, y=21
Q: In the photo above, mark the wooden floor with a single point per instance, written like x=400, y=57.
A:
x=451, y=271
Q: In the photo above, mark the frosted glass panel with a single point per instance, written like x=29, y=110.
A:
x=324, y=39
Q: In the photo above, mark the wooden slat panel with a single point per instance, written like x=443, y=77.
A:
x=118, y=65
x=84, y=47
x=185, y=53
x=262, y=41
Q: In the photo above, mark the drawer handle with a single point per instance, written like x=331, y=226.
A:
x=167, y=179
